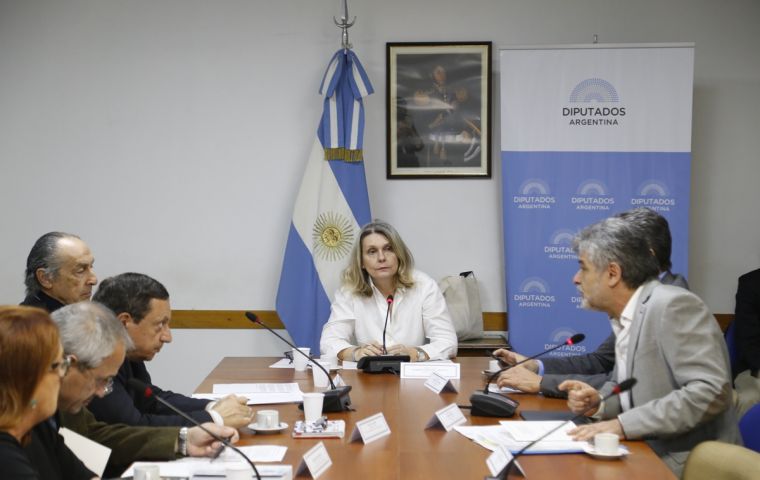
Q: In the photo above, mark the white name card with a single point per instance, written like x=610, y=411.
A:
x=423, y=370
x=315, y=461
x=338, y=381
x=440, y=384
x=499, y=459
x=447, y=417
x=370, y=429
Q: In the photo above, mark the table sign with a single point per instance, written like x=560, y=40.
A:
x=338, y=381
x=423, y=370
x=315, y=461
x=447, y=417
x=440, y=384
x=499, y=459
x=370, y=429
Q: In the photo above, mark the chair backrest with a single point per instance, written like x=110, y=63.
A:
x=717, y=460
x=733, y=355
x=749, y=426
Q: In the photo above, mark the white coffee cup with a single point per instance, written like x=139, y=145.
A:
x=147, y=472
x=606, y=443
x=267, y=418
x=493, y=365
x=320, y=378
x=238, y=472
x=329, y=361
x=312, y=406
x=299, y=361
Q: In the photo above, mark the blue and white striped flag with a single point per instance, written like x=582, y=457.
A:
x=331, y=207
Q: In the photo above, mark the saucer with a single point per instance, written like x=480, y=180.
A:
x=282, y=426
x=621, y=452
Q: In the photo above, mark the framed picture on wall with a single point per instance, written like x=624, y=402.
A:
x=438, y=110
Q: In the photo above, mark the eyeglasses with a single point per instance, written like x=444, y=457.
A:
x=105, y=383
x=62, y=367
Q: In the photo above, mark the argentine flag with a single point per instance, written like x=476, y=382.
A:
x=331, y=207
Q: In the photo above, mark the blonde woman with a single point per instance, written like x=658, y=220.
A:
x=381, y=273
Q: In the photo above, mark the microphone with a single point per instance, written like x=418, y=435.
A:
x=336, y=399
x=575, y=339
x=486, y=405
x=387, y=314
x=139, y=386
x=621, y=387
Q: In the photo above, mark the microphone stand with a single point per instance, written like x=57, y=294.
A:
x=148, y=392
x=485, y=405
x=336, y=399
x=618, y=389
x=387, y=314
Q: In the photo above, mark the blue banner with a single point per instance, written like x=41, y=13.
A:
x=581, y=141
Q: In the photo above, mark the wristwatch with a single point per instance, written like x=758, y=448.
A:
x=182, y=442
x=421, y=355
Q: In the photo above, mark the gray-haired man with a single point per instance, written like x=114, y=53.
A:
x=59, y=271
x=666, y=338
x=94, y=342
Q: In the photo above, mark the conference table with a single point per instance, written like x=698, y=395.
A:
x=411, y=451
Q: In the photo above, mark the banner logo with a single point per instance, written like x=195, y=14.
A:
x=534, y=193
x=534, y=293
x=654, y=194
x=592, y=195
x=558, y=337
x=560, y=245
x=598, y=91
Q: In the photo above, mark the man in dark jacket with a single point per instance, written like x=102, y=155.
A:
x=141, y=303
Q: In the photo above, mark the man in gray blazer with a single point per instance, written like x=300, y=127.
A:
x=594, y=368
x=665, y=338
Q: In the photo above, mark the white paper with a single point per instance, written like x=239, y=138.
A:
x=370, y=429
x=529, y=431
x=423, y=370
x=316, y=460
x=92, y=454
x=188, y=467
x=493, y=388
x=257, y=453
x=348, y=365
x=257, y=393
x=491, y=437
x=283, y=363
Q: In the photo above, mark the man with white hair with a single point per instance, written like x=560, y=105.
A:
x=94, y=344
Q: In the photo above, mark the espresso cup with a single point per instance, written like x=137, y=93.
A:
x=606, y=443
x=267, y=419
x=147, y=472
x=238, y=472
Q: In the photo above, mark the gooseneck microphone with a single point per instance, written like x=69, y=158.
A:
x=336, y=399
x=387, y=315
x=621, y=387
x=139, y=386
x=485, y=405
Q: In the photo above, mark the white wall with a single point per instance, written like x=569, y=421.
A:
x=171, y=135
